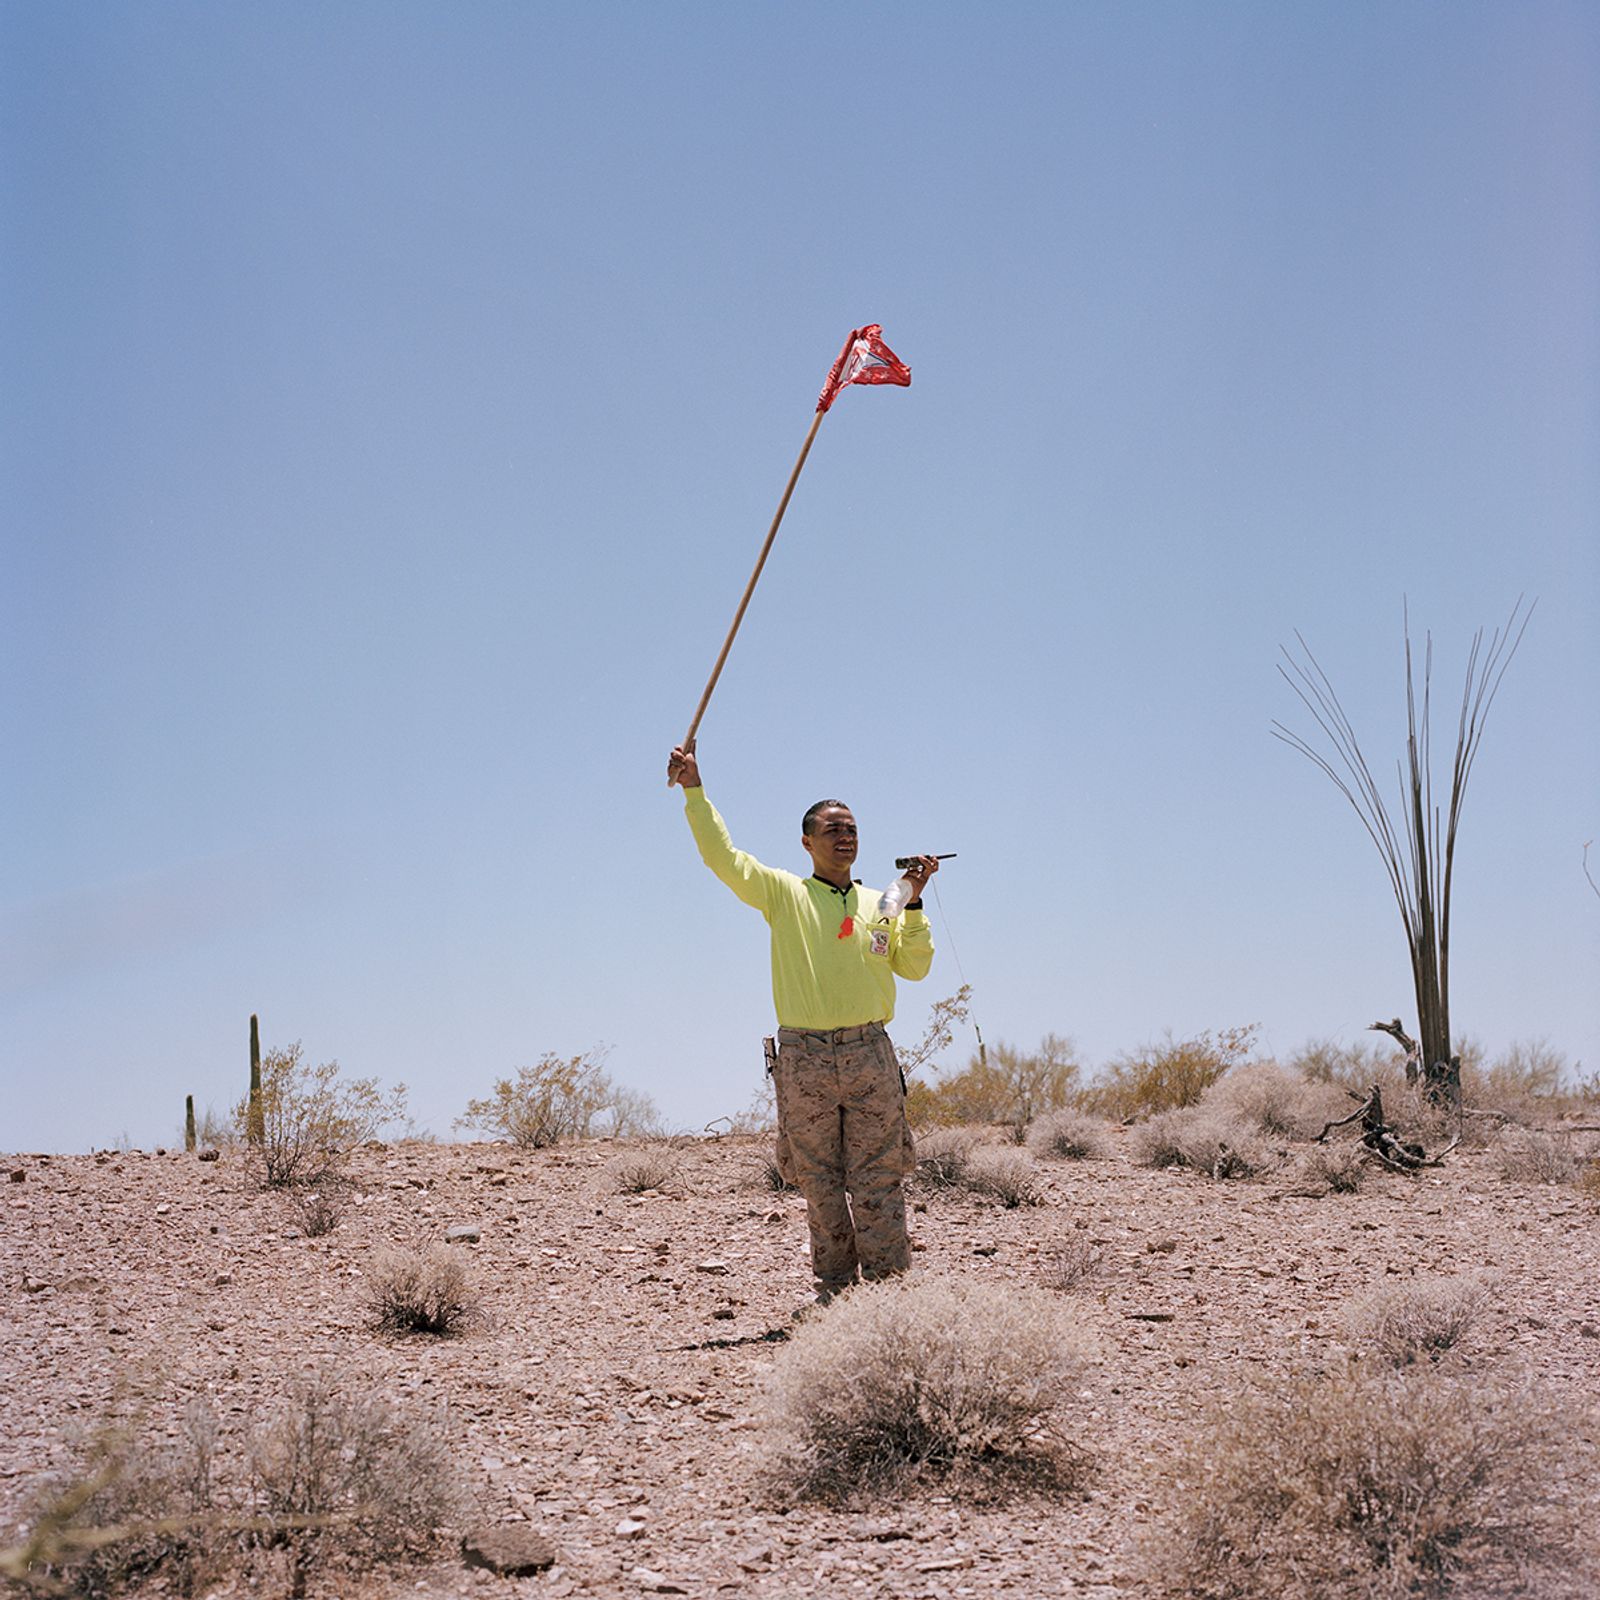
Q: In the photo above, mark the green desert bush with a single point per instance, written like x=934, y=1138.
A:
x=926, y=1379
x=1167, y=1076
x=559, y=1097
x=1403, y=1323
x=1206, y=1140
x=1371, y=1485
x=1068, y=1135
x=426, y=1291
x=1281, y=1103
x=310, y=1118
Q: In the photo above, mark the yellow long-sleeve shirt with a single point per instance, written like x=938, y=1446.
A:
x=820, y=977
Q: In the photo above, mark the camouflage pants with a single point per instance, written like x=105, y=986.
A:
x=843, y=1142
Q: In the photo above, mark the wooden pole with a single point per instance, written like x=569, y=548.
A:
x=750, y=588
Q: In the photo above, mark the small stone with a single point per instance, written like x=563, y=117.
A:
x=512, y=1550
x=717, y=1269
x=466, y=1233
x=1162, y=1247
x=163, y=1209
x=210, y=1153
x=499, y=1180
x=628, y=1528
x=985, y=1249
x=757, y=1559
x=18, y=1175
x=655, y=1583
x=222, y=1280
x=722, y=1314
x=1587, y=1330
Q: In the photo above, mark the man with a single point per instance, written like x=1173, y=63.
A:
x=842, y=1134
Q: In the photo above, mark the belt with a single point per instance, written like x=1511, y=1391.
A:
x=865, y=1030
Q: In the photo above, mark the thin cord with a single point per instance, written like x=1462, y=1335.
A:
x=944, y=917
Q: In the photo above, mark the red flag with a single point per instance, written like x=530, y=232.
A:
x=864, y=359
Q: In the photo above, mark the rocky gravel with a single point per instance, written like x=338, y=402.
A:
x=607, y=1407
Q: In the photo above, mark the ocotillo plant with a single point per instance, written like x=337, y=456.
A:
x=188, y=1122
x=1419, y=854
x=255, y=1118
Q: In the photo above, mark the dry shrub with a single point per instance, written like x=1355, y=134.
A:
x=649, y=1167
x=926, y=1378
x=1164, y=1077
x=1528, y=1155
x=1071, y=1263
x=560, y=1098
x=1006, y=1174
x=319, y=1207
x=1207, y=1141
x=1409, y=1322
x=310, y=1118
x=943, y=1154
x=1347, y=1066
x=767, y=1173
x=380, y=1479
x=1525, y=1080
x=421, y=1291
x=1589, y=1181
x=1068, y=1136
x=1343, y=1168
x=160, y=1494
x=1371, y=1486
x=1001, y=1085
x=1278, y=1102
x=332, y=1478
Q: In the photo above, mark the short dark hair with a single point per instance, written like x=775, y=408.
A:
x=811, y=815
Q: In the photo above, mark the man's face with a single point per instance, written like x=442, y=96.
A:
x=831, y=843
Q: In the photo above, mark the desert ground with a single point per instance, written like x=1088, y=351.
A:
x=612, y=1396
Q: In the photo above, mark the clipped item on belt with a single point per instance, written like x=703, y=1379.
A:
x=769, y=1048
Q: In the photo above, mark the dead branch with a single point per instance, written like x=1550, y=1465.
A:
x=1381, y=1141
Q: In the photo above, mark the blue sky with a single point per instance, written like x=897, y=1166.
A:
x=395, y=398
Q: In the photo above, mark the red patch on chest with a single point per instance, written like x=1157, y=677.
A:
x=847, y=927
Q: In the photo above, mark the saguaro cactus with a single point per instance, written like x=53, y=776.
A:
x=188, y=1122
x=255, y=1127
